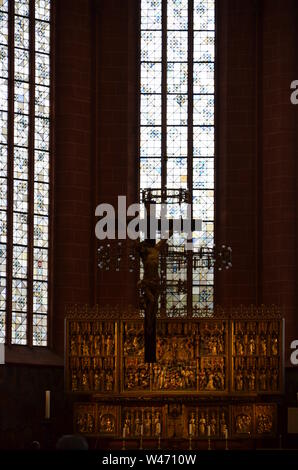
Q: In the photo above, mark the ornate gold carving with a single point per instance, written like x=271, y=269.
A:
x=243, y=420
x=265, y=417
x=91, y=418
x=119, y=312
x=200, y=418
x=176, y=420
x=150, y=419
x=85, y=418
x=107, y=420
x=96, y=312
x=256, y=356
x=206, y=355
x=92, y=356
x=136, y=374
x=176, y=357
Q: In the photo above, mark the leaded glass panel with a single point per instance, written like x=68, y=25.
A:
x=25, y=110
x=177, y=51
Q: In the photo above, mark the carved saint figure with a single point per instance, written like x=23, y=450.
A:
x=73, y=346
x=202, y=425
x=251, y=346
x=82, y=423
x=147, y=424
x=239, y=347
x=137, y=425
x=127, y=425
x=219, y=380
x=109, y=381
x=223, y=425
x=85, y=347
x=213, y=424
x=192, y=424
x=251, y=381
x=157, y=427
x=97, y=345
x=90, y=423
x=274, y=346
x=210, y=384
x=96, y=381
x=74, y=381
x=263, y=346
x=239, y=381
x=108, y=344
x=202, y=379
x=85, y=380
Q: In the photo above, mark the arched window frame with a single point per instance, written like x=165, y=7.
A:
x=197, y=144
x=25, y=308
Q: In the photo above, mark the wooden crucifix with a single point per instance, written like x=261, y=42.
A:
x=150, y=285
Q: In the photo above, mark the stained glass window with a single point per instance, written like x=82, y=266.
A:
x=24, y=170
x=177, y=129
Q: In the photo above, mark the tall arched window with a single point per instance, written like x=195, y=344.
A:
x=177, y=129
x=25, y=30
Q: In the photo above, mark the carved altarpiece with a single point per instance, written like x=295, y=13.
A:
x=222, y=369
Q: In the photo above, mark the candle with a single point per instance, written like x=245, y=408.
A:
x=208, y=431
x=141, y=430
x=190, y=429
x=123, y=433
x=47, y=404
x=226, y=434
x=158, y=428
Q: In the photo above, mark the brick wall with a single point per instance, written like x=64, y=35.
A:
x=257, y=154
x=279, y=151
x=96, y=132
x=117, y=130
x=74, y=159
x=236, y=212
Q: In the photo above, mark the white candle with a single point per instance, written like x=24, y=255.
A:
x=48, y=404
x=141, y=430
x=123, y=434
x=190, y=429
x=208, y=430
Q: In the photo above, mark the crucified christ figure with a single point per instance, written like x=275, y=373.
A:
x=150, y=287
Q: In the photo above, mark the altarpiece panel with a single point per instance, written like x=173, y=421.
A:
x=223, y=371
